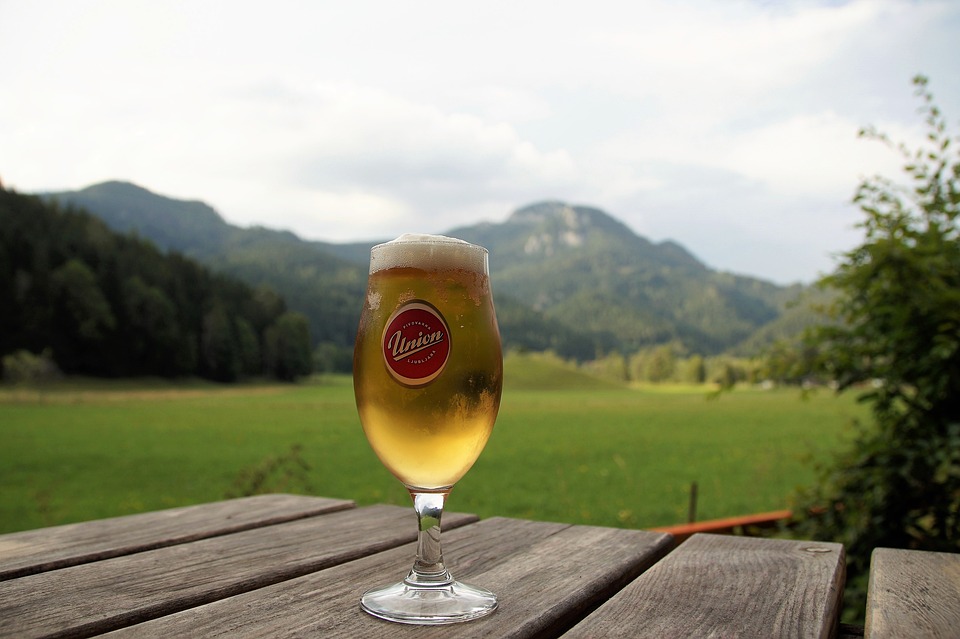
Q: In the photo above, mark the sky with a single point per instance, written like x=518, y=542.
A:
x=727, y=126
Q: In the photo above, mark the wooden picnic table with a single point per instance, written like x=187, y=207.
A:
x=295, y=566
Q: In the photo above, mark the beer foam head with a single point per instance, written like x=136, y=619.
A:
x=429, y=252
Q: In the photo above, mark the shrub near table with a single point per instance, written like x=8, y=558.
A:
x=897, y=335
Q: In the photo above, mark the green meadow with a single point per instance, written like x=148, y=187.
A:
x=567, y=447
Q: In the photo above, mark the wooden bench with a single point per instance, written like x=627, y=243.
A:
x=913, y=594
x=288, y=566
x=294, y=566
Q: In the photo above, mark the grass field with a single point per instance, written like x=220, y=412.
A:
x=566, y=448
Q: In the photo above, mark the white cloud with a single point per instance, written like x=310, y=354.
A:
x=806, y=154
x=728, y=127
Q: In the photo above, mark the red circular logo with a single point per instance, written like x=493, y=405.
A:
x=416, y=343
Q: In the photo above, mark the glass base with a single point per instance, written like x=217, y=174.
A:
x=429, y=605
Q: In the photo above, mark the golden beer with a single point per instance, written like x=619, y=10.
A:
x=427, y=375
x=427, y=364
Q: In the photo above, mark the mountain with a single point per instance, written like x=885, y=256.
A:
x=585, y=269
x=92, y=301
x=570, y=278
x=186, y=226
x=312, y=278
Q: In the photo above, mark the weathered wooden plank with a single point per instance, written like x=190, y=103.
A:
x=30, y=552
x=547, y=576
x=97, y=597
x=913, y=594
x=723, y=586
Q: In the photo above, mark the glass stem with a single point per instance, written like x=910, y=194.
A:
x=428, y=569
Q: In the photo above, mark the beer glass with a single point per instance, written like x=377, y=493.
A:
x=428, y=373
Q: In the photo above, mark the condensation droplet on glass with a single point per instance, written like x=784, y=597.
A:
x=373, y=300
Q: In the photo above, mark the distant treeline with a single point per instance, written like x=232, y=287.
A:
x=103, y=304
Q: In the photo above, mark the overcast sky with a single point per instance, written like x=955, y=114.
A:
x=729, y=127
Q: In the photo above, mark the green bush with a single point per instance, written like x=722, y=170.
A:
x=24, y=367
x=894, y=336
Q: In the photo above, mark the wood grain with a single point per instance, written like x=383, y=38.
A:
x=546, y=575
x=34, y=551
x=100, y=596
x=913, y=594
x=724, y=586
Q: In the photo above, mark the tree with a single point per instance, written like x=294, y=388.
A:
x=218, y=346
x=250, y=360
x=152, y=330
x=696, y=370
x=661, y=363
x=83, y=316
x=114, y=305
x=611, y=366
x=287, y=350
x=329, y=357
x=895, y=335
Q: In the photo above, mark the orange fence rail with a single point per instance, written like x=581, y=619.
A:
x=728, y=524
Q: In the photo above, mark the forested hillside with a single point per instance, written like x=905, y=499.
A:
x=570, y=279
x=314, y=281
x=583, y=268
x=106, y=304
